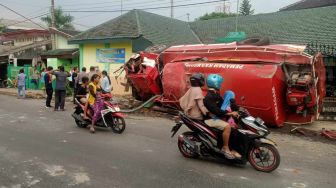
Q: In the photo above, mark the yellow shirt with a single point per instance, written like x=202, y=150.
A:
x=92, y=99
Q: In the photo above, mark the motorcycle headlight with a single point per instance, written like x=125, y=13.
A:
x=117, y=109
x=112, y=109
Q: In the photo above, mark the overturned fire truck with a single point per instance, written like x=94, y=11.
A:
x=279, y=83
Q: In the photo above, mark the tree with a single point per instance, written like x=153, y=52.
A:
x=215, y=15
x=62, y=20
x=246, y=8
x=2, y=26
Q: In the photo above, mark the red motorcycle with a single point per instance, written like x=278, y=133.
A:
x=110, y=115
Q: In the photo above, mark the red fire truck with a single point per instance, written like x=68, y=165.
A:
x=279, y=83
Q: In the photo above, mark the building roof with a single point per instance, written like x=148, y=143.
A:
x=284, y=27
x=305, y=4
x=288, y=27
x=18, y=49
x=136, y=23
x=24, y=34
x=64, y=32
x=24, y=25
x=69, y=53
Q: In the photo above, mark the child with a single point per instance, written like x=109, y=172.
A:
x=21, y=84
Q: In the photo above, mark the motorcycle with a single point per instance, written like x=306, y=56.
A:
x=248, y=139
x=110, y=116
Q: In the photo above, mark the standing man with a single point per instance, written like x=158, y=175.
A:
x=92, y=72
x=48, y=86
x=60, y=90
x=78, y=80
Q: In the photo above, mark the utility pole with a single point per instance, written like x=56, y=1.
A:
x=237, y=15
x=224, y=7
x=188, y=16
x=53, y=25
x=172, y=8
x=121, y=7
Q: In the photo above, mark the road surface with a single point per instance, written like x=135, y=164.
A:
x=43, y=148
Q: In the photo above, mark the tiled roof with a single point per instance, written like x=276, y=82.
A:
x=305, y=4
x=155, y=28
x=285, y=27
x=70, y=32
x=288, y=27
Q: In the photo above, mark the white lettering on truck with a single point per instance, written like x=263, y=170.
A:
x=214, y=65
x=275, y=103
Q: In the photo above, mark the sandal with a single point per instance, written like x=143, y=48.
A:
x=236, y=154
x=227, y=154
x=92, y=130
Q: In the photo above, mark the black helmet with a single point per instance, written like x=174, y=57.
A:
x=197, y=80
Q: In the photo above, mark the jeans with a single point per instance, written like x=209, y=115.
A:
x=59, y=99
x=49, y=97
x=22, y=91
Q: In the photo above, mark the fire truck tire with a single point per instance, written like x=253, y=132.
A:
x=256, y=41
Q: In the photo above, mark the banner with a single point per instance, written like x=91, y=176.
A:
x=110, y=55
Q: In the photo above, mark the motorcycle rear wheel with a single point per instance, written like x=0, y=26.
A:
x=264, y=158
x=185, y=151
x=118, y=125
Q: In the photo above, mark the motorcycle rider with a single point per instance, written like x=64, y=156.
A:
x=213, y=102
x=192, y=101
x=82, y=90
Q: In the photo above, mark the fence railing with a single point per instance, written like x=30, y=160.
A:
x=325, y=49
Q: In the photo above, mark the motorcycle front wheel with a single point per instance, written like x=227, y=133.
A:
x=264, y=158
x=184, y=148
x=118, y=125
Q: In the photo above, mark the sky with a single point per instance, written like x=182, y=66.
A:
x=86, y=20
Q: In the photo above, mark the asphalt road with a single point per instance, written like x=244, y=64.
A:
x=42, y=148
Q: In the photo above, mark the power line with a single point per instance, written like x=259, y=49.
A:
x=28, y=19
x=124, y=5
x=32, y=18
x=107, y=2
x=150, y=8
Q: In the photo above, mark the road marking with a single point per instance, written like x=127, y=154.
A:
x=80, y=178
x=55, y=170
x=34, y=182
x=148, y=150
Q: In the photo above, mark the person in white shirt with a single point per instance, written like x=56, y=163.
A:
x=106, y=84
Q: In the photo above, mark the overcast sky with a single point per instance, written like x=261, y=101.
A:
x=83, y=21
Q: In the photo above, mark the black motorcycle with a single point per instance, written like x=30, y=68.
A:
x=249, y=139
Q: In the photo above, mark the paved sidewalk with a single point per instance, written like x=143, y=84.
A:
x=36, y=94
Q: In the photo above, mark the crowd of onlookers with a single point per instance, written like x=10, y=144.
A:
x=79, y=81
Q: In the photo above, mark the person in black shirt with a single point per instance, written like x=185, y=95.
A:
x=82, y=90
x=48, y=86
x=73, y=82
x=213, y=102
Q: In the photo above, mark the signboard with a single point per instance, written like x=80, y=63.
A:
x=110, y=55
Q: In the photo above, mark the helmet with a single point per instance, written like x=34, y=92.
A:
x=215, y=81
x=197, y=80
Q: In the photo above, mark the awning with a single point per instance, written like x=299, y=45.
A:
x=61, y=53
